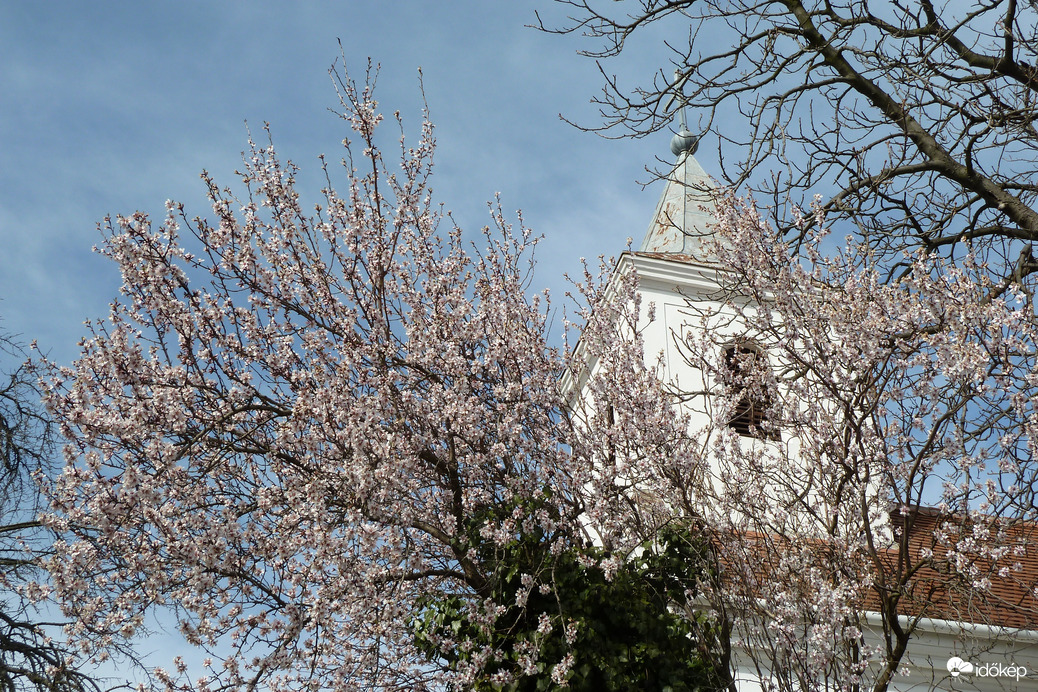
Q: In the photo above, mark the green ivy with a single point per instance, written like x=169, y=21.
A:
x=633, y=631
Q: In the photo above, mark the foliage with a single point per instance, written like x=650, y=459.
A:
x=615, y=622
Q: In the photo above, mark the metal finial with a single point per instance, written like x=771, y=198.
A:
x=683, y=141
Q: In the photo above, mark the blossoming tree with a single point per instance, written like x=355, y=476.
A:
x=318, y=436
x=889, y=482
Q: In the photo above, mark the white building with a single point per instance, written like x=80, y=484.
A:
x=955, y=645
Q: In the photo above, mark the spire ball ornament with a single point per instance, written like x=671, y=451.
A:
x=684, y=141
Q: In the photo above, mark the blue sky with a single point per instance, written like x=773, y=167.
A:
x=117, y=106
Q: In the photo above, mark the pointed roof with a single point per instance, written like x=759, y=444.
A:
x=686, y=212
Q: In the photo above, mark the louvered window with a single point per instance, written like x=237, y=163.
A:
x=747, y=375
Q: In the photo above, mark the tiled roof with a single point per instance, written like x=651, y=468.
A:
x=945, y=568
x=940, y=567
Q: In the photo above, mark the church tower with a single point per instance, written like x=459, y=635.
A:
x=680, y=278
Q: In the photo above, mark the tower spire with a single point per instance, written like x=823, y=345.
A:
x=686, y=211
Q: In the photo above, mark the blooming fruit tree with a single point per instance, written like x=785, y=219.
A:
x=890, y=481
x=310, y=434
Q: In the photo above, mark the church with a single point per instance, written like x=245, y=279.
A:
x=909, y=621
